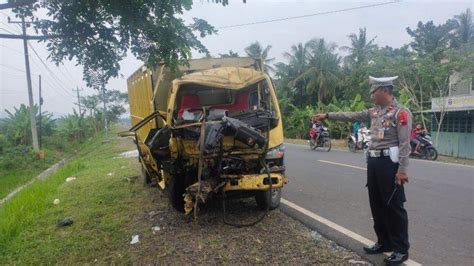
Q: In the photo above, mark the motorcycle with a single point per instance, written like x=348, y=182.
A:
x=361, y=143
x=323, y=141
x=427, y=150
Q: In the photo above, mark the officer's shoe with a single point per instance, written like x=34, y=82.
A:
x=377, y=248
x=396, y=258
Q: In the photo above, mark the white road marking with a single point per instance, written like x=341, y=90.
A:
x=411, y=159
x=342, y=164
x=337, y=227
x=453, y=164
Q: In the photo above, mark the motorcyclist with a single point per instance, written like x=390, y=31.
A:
x=362, y=134
x=355, y=131
x=317, y=126
x=415, y=134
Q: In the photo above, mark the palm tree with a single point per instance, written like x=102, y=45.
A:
x=297, y=58
x=322, y=69
x=360, y=48
x=297, y=65
x=256, y=51
x=230, y=54
x=464, y=29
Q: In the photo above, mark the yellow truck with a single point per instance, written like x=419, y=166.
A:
x=211, y=132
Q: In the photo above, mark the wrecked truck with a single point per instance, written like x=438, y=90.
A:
x=214, y=132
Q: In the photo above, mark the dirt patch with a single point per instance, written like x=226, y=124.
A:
x=169, y=236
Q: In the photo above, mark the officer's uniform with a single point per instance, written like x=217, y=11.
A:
x=390, y=131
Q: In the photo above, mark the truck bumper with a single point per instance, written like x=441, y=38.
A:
x=254, y=182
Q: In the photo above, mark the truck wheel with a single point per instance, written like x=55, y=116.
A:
x=262, y=198
x=175, y=190
x=145, y=177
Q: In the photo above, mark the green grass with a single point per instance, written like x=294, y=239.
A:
x=11, y=179
x=101, y=206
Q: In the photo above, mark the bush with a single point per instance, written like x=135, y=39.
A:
x=17, y=157
x=3, y=143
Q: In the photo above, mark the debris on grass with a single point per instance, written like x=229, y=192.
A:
x=155, y=229
x=135, y=240
x=71, y=178
x=129, y=154
x=65, y=222
x=56, y=202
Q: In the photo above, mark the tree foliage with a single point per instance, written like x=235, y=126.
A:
x=256, y=51
x=98, y=34
x=313, y=79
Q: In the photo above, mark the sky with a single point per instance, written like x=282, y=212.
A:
x=387, y=23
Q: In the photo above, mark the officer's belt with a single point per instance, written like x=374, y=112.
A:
x=378, y=153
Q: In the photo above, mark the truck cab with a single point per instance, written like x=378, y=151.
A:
x=219, y=131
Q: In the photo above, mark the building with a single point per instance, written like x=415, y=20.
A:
x=456, y=136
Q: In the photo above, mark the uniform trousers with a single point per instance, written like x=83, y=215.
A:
x=390, y=218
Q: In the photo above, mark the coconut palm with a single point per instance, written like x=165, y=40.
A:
x=256, y=51
x=360, y=49
x=464, y=29
x=297, y=65
x=322, y=70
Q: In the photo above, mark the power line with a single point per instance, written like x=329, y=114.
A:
x=308, y=15
x=14, y=50
x=34, y=82
x=13, y=68
x=57, y=84
x=59, y=69
x=23, y=71
x=50, y=71
x=69, y=74
x=72, y=79
x=7, y=31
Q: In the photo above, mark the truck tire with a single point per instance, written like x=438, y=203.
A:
x=263, y=201
x=145, y=177
x=175, y=190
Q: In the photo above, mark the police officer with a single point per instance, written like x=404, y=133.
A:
x=387, y=162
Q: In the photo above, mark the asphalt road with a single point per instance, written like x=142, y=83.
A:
x=439, y=201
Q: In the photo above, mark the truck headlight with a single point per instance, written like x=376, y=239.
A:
x=276, y=153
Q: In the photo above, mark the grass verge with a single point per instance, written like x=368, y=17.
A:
x=109, y=204
x=11, y=179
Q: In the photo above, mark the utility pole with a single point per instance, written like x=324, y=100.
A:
x=78, y=100
x=104, y=99
x=80, y=110
x=25, y=38
x=34, y=131
x=40, y=100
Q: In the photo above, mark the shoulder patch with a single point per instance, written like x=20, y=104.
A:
x=403, y=118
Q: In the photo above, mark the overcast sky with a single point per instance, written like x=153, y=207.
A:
x=387, y=22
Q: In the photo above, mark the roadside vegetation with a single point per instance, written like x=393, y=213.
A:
x=316, y=78
x=108, y=205
x=61, y=137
